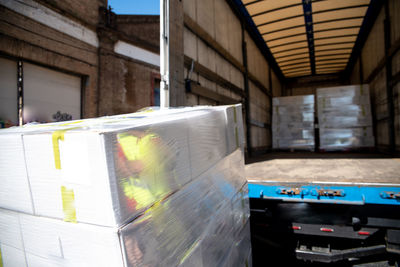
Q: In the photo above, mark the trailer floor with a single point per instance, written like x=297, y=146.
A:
x=307, y=167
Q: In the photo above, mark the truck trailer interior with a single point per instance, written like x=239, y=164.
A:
x=307, y=207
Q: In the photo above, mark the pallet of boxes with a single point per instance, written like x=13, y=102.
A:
x=161, y=188
x=345, y=121
x=293, y=123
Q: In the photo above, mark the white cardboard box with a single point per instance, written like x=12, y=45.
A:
x=192, y=141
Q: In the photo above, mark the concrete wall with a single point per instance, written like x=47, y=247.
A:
x=27, y=38
x=143, y=27
x=373, y=71
x=83, y=11
x=80, y=38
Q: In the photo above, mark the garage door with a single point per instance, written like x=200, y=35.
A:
x=8, y=91
x=47, y=91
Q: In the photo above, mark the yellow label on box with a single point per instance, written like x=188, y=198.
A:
x=68, y=202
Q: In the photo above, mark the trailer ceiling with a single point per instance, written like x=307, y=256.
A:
x=309, y=37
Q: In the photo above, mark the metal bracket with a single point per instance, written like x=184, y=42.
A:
x=292, y=191
x=328, y=192
x=390, y=195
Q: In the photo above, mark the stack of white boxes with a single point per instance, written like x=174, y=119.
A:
x=345, y=120
x=162, y=188
x=293, y=123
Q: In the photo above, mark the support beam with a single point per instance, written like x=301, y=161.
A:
x=172, y=64
x=310, y=32
x=389, y=88
x=164, y=53
x=361, y=70
x=382, y=63
x=203, y=35
x=270, y=104
x=199, y=90
x=209, y=40
x=212, y=76
x=20, y=86
x=259, y=124
x=257, y=83
x=247, y=93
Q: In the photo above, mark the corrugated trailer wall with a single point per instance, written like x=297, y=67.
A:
x=260, y=97
x=227, y=66
x=379, y=65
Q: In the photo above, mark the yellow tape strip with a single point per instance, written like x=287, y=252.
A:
x=68, y=201
x=1, y=259
x=71, y=123
x=237, y=137
x=56, y=137
x=236, y=127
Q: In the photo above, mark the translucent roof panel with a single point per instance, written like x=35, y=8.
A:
x=307, y=43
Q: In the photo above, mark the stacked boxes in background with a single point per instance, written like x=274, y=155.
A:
x=293, y=123
x=345, y=120
x=163, y=188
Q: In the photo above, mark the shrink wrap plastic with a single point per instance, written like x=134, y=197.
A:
x=162, y=188
x=345, y=119
x=293, y=122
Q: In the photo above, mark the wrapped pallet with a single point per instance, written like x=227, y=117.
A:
x=293, y=123
x=345, y=120
x=148, y=189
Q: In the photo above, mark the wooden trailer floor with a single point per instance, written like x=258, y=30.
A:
x=307, y=167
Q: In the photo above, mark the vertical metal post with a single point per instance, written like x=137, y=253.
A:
x=20, y=87
x=361, y=70
x=270, y=103
x=164, y=53
x=389, y=87
x=308, y=19
x=247, y=94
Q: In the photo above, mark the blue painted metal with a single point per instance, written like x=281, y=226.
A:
x=327, y=193
x=307, y=8
x=240, y=9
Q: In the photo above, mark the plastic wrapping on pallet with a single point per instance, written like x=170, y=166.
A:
x=293, y=100
x=345, y=138
x=203, y=223
x=102, y=163
x=345, y=119
x=157, y=189
x=293, y=133
x=301, y=144
x=293, y=122
x=333, y=121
